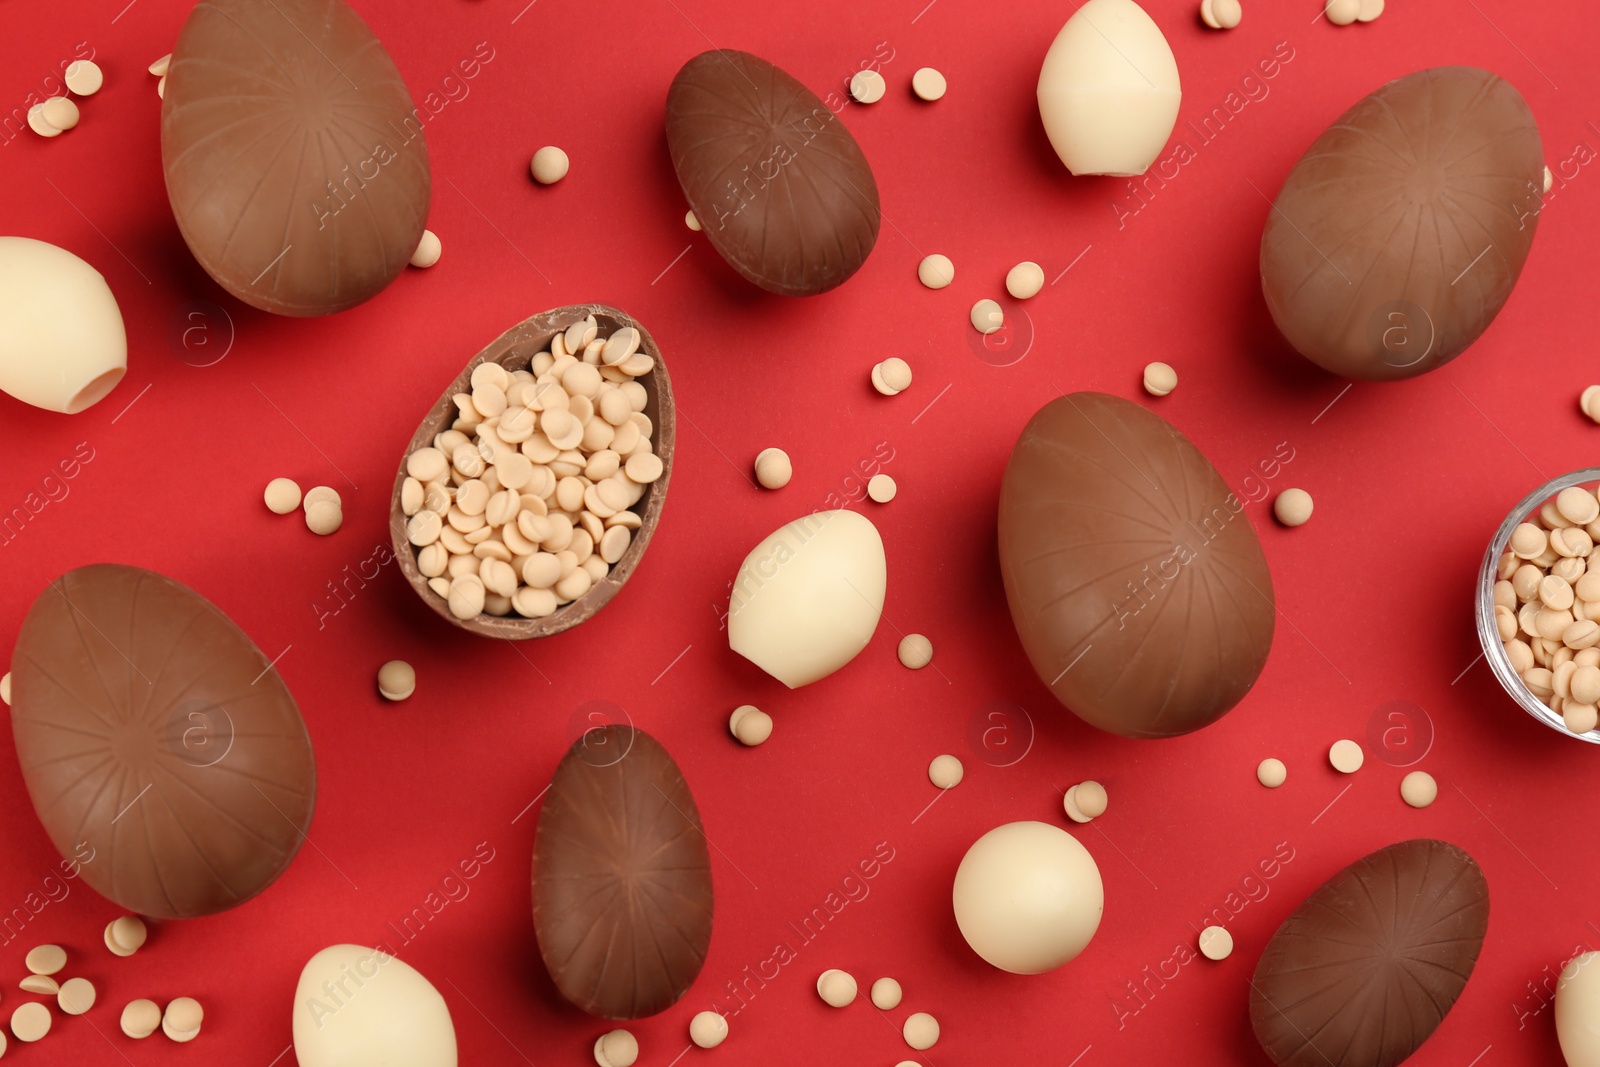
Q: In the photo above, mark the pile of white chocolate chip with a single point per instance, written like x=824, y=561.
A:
x=524, y=503
x=1547, y=605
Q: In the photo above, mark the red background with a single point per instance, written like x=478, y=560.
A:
x=1375, y=593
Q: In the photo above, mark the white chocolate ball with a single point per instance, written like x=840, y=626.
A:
x=1028, y=897
x=936, y=271
x=1025, y=280
x=428, y=250
x=773, y=469
x=708, y=1029
x=1292, y=507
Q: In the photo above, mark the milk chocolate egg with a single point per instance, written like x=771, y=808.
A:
x=294, y=159
x=622, y=894
x=1136, y=582
x=778, y=184
x=1367, y=968
x=1398, y=236
x=162, y=751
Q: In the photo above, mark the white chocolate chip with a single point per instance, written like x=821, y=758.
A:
x=1341, y=12
x=41, y=984
x=945, y=771
x=159, y=67
x=76, y=996
x=987, y=317
x=45, y=959
x=83, y=77
x=921, y=1031
x=915, y=651
x=616, y=1048
x=750, y=725
x=1216, y=943
x=181, y=1021
x=881, y=488
x=126, y=935
x=550, y=165
x=1292, y=507
x=936, y=271
x=30, y=1022
x=1346, y=756
x=428, y=250
x=886, y=994
x=1025, y=280
x=836, y=988
x=773, y=469
x=1271, y=772
x=1089, y=798
x=1419, y=789
x=397, y=680
x=140, y=1018
x=867, y=86
x=708, y=1029
x=60, y=112
x=1159, y=379
x=928, y=84
x=690, y=221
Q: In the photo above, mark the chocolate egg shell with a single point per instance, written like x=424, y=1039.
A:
x=622, y=895
x=1369, y=965
x=163, y=753
x=1136, y=583
x=294, y=160
x=777, y=182
x=1398, y=236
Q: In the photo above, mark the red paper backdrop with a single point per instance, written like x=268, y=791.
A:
x=1375, y=593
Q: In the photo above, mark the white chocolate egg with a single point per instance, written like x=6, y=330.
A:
x=1028, y=897
x=1109, y=91
x=358, y=1006
x=1578, y=1010
x=62, y=343
x=808, y=598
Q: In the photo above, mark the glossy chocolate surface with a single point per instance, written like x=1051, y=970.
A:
x=622, y=896
x=1366, y=969
x=780, y=187
x=1398, y=236
x=294, y=160
x=163, y=753
x=1136, y=582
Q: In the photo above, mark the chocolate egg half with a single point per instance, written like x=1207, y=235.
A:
x=1136, y=583
x=1398, y=236
x=777, y=182
x=162, y=751
x=622, y=894
x=1367, y=968
x=294, y=158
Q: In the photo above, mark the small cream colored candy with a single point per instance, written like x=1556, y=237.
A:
x=892, y=376
x=324, y=518
x=45, y=959
x=886, y=994
x=1577, y=505
x=773, y=469
x=1089, y=798
x=1271, y=772
x=1159, y=379
x=1584, y=685
x=928, y=84
x=322, y=494
x=60, y=112
x=181, y=1021
x=708, y=1029
x=1025, y=280
x=1579, y=718
x=159, y=67
x=31, y=1021
x=84, y=77
x=38, y=125
x=140, y=1018
x=1371, y=9
x=1343, y=12
x=616, y=1048
x=467, y=596
x=750, y=725
x=1216, y=943
x=881, y=488
x=1346, y=756
x=867, y=86
x=836, y=988
x=550, y=165
x=987, y=317
x=690, y=221
x=397, y=680
x=1554, y=592
x=282, y=496
x=620, y=346
x=41, y=984
x=428, y=250
x=921, y=1031
x=936, y=271
x=915, y=651
x=1292, y=507
x=1528, y=540
x=946, y=771
x=644, y=468
x=5, y=689
x=126, y=935
x=1589, y=402
x=1419, y=789
x=76, y=996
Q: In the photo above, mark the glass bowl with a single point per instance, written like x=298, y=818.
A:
x=1489, y=634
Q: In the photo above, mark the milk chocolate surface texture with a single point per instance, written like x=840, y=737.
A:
x=296, y=168
x=1398, y=236
x=777, y=182
x=1135, y=580
x=1366, y=969
x=621, y=877
x=163, y=754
